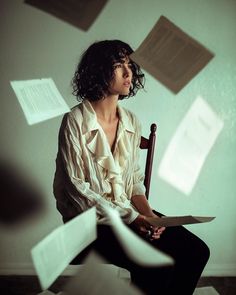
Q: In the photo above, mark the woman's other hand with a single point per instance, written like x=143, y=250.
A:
x=156, y=232
x=145, y=229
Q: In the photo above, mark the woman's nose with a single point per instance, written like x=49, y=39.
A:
x=127, y=71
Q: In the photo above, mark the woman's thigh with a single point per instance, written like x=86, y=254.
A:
x=181, y=244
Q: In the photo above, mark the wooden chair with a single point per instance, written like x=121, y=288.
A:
x=149, y=144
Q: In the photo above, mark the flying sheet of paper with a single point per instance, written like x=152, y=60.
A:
x=94, y=279
x=205, y=291
x=53, y=254
x=170, y=55
x=144, y=254
x=178, y=220
x=79, y=13
x=39, y=99
x=47, y=292
x=190, y=145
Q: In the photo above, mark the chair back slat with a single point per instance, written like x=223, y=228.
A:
x=149, y=144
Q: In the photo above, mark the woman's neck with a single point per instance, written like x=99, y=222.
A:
x=106, y=109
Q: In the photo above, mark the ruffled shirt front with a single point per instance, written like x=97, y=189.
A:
x=89, y=174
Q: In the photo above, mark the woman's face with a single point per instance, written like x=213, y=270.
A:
x=121, y=82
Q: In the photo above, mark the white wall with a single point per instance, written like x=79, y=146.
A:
x=35, y=44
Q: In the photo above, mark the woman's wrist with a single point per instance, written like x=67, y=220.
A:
x=151, y=214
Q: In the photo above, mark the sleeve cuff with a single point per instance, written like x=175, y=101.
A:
x=138, y=189
x=133, y=215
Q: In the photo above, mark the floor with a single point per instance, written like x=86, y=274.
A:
x=29, y=285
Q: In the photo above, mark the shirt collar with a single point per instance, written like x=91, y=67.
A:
x=125, y=120
x=90, y=122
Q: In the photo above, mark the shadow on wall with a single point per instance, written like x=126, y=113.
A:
x=20, y=200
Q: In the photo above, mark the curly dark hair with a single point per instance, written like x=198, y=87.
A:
x=95, y=71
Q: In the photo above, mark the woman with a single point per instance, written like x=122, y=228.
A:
x=97, y=165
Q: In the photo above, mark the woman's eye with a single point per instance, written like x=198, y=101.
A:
x=116, y=66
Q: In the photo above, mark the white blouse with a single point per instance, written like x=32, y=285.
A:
x=88, y=173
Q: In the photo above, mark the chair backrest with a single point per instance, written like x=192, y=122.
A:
x=149, y=144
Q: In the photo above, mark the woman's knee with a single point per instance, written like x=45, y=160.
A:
x=199, y=254
x=195, y=251
x=204, y=251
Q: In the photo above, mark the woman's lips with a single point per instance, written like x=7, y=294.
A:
x=127, y=84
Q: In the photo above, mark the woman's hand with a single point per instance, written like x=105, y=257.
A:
x=156, y=232
x=141, y=225
x=145, y=229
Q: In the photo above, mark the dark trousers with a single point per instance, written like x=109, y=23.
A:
x=190, y=255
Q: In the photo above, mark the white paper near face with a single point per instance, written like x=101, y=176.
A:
x=39, y=99
x=143, y=254
x=52, y=255
x=189, y=147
